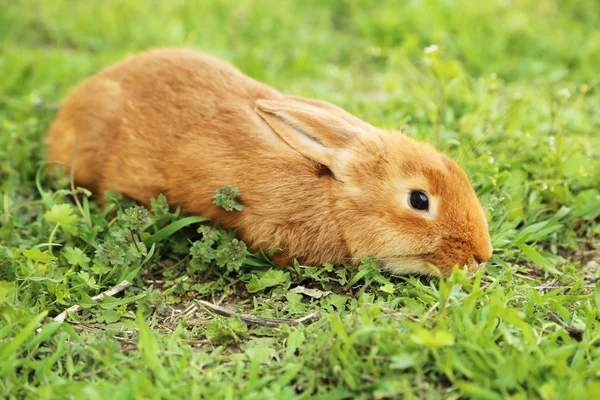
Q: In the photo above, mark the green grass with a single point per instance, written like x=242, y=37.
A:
x=513, y=93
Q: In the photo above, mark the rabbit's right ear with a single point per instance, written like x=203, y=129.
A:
x=337, y=111
x=313, y=131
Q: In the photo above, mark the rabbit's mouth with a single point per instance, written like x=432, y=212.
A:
x=421, y=264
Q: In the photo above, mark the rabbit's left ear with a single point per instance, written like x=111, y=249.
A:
x=313, y=131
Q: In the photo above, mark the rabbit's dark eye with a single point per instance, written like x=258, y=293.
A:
x=419, y=201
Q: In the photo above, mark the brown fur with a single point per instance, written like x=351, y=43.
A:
x=181, y=123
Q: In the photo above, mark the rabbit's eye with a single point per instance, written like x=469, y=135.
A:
x=419, y=201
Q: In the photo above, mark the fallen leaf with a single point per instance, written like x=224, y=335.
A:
x=314, y=293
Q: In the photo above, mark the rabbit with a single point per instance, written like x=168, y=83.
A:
x=314, y=180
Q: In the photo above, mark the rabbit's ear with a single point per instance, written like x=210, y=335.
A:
x=337, y=111
x=313, y=131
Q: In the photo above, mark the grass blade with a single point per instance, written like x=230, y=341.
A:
x=170, y=229
x=11, y=347
x=38, y=183
x=533, y=255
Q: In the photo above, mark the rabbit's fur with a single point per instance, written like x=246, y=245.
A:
x=314, y=180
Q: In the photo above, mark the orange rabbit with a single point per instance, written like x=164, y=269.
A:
x=314, y=180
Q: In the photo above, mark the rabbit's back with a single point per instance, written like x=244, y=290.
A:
x=136, y=119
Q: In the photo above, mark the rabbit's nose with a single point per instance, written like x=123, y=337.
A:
x=482, y=251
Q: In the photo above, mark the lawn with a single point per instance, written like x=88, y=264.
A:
x=509, y=88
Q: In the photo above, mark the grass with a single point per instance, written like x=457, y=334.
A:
x=508, y=88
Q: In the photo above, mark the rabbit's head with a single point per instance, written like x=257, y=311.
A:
x=393, y=198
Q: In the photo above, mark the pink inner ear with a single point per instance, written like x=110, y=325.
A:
x=297, y=135
x=317, y=123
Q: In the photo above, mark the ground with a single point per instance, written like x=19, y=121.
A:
x=508, y=88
